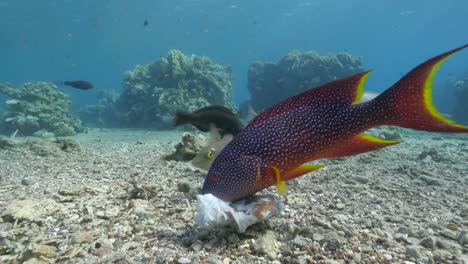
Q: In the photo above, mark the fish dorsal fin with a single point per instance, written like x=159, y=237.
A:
x=347, y=91
x=219, y=108
x=358, y=144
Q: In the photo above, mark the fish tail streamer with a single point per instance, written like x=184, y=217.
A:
x=408, y=103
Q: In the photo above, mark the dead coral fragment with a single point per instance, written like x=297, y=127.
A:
x=6, y=142
x=52, y=147
x=141, y=190
x=187, y=149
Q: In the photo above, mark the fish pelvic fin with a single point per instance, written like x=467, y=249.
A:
x=408, y=103
x=291, y=174
x=282, y=187
x=358, y=144
x=348, y=90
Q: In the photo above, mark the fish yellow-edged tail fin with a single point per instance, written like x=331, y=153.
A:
x=408, y=103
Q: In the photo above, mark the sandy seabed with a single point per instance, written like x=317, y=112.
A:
x=112, y=199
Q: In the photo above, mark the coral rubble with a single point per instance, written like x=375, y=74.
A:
x=113, y=202
x=153, y=92
x=38, y=107
x=6, y=142
x=269, y=82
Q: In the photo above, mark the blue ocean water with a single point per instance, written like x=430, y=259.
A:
x=97, y=40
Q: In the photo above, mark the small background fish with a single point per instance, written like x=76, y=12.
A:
x=222, y=118
x=80, y=84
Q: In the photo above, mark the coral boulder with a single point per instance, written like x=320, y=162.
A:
x=269, y=82
x=153, y=92
x=38, y=107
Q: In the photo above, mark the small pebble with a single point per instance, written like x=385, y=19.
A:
x=359, y=189
x=412, y=251
x=453, y=227
x=197, y=246
x=428, y=242
x=184, y=187
x=184, y=261
x=27, y=182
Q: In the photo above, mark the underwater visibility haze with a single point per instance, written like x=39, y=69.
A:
x=227, y=131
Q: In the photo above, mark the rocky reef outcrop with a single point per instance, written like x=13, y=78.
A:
x=460, y=111
x=269, y=82
x=153, y=92
x=104, y=113
x=38, y=108
x=3, y=87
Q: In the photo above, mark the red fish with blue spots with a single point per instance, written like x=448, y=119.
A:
x=324, y=122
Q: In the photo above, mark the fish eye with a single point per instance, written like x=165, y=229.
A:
x=210, y=153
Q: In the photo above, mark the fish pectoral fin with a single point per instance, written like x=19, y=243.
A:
x=358, y=144
x=282, y=187
x=301, y=170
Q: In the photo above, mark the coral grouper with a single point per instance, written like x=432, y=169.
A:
x=325, y=122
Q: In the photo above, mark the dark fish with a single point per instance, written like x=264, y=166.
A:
x=222, y=118
x=325, y=122
x=146, y=23
x=82, y=85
